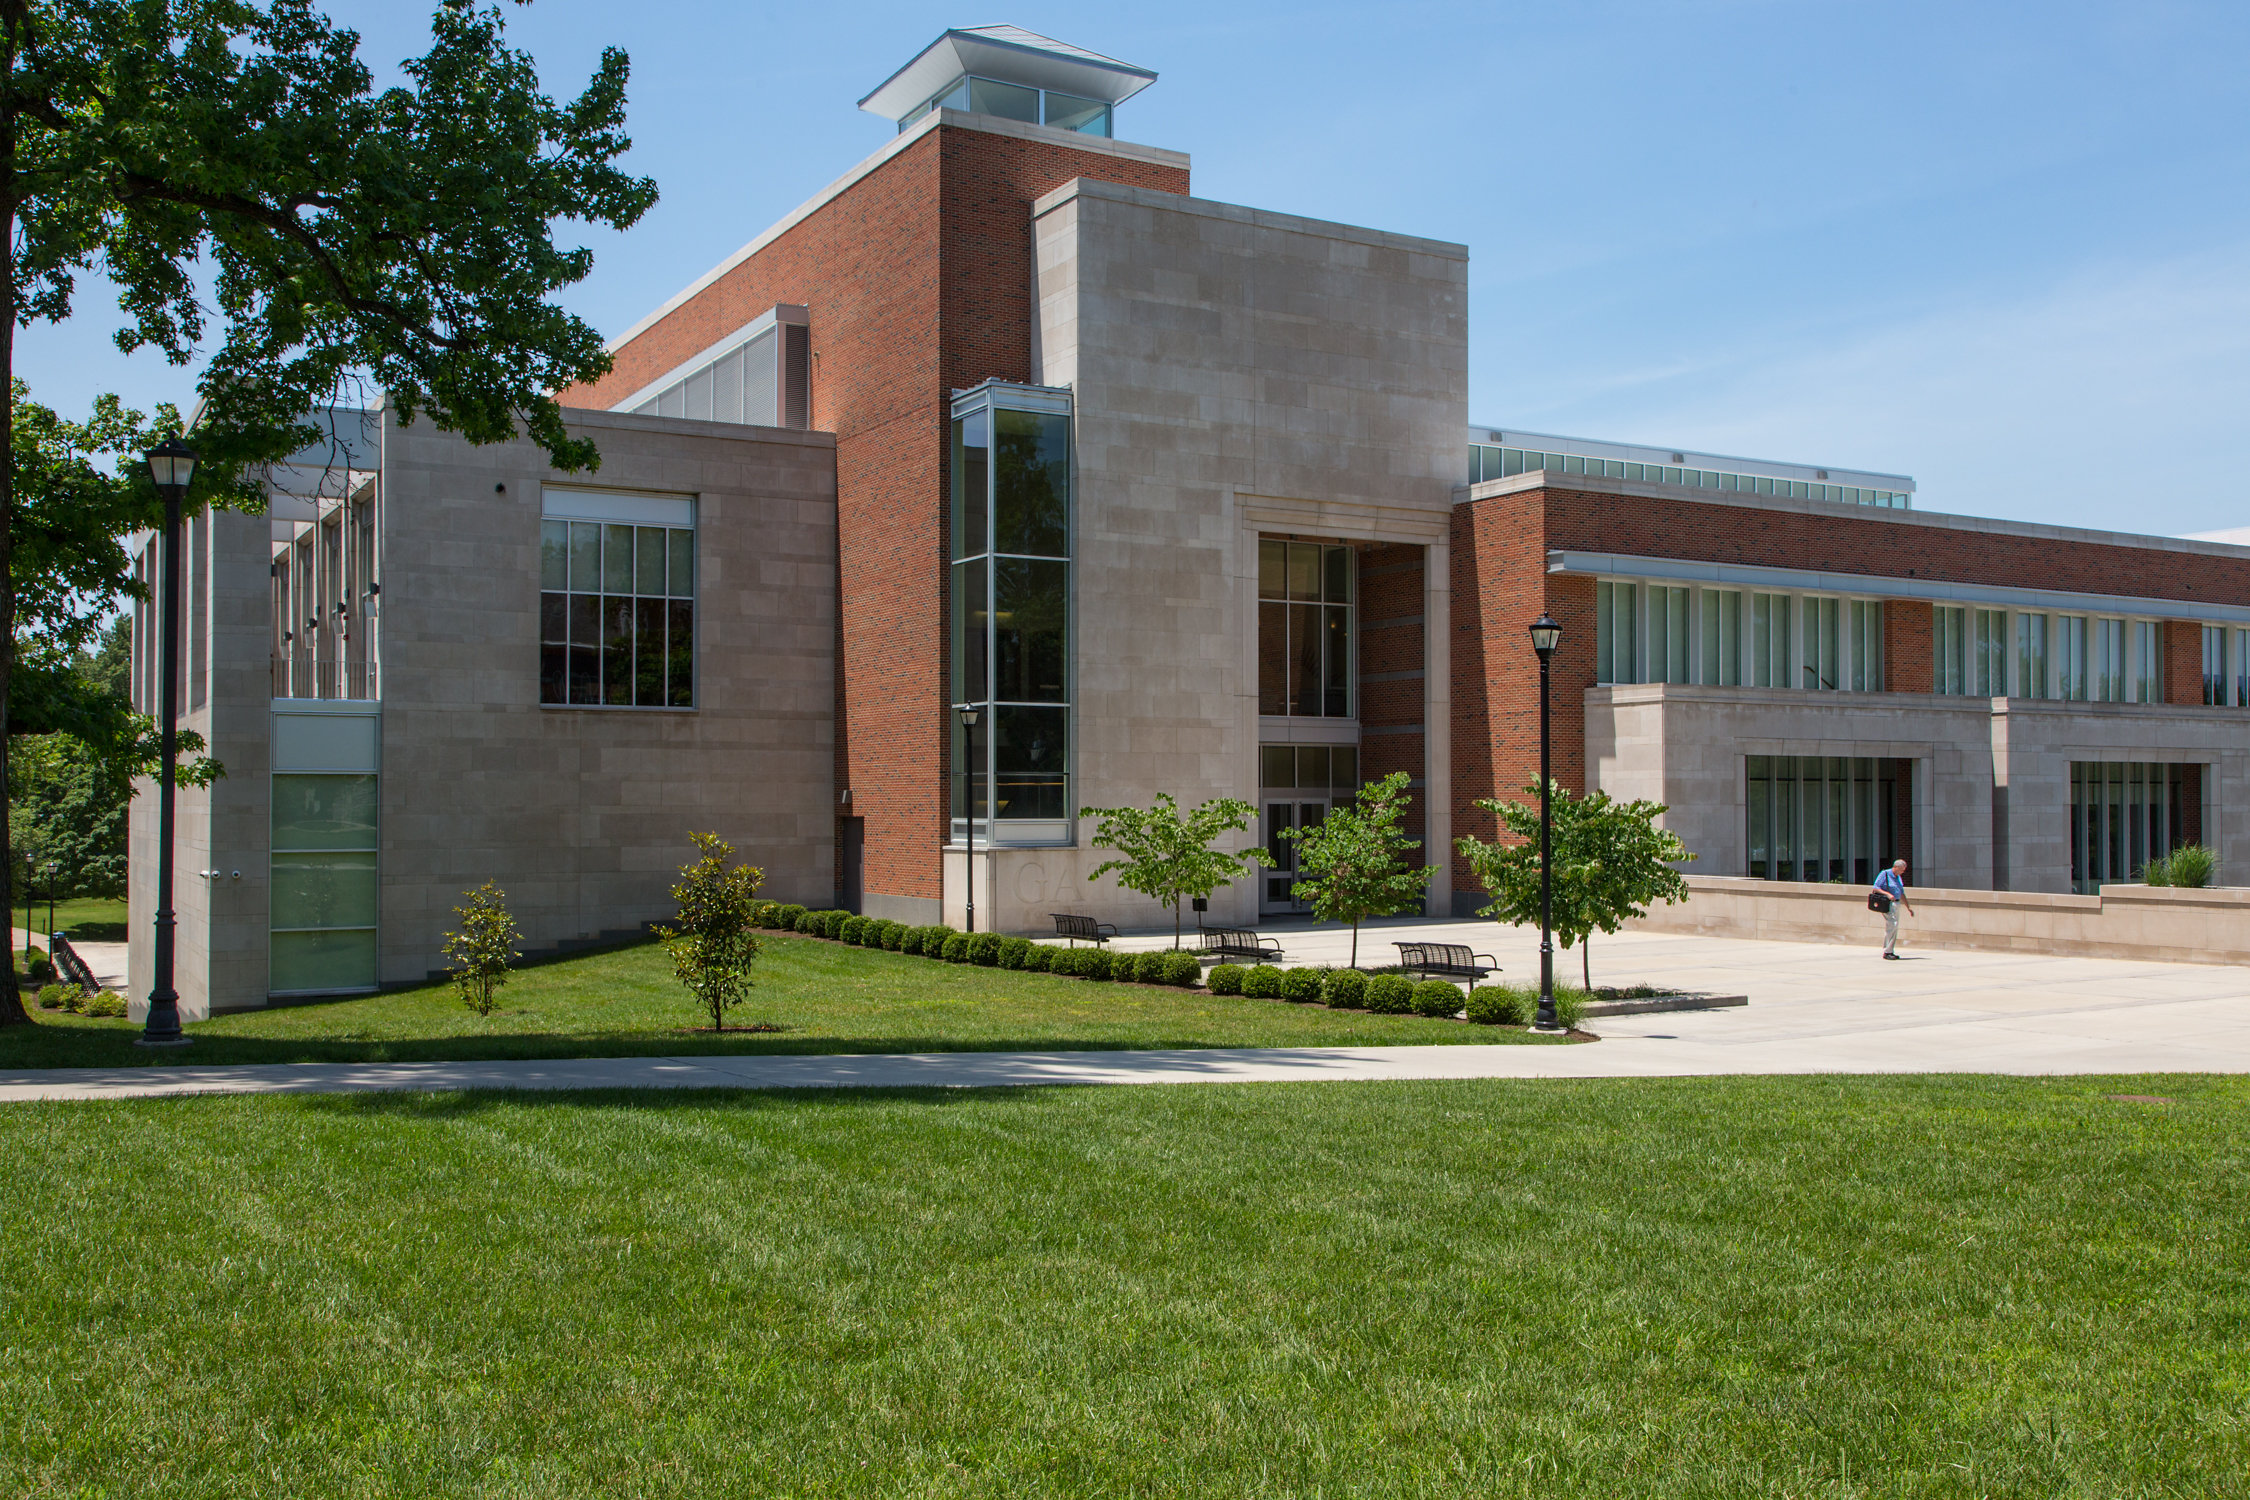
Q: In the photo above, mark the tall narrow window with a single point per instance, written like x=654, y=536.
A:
x=1823, y=664
x=616, y=600
x=2214, y=666
x=1614, y=634
x=1991, y=653
x=1865, y=622
x=2031, y=656
x=1011, y=654
x=2073, y=668
x=2148, y=674
x=1670, y=646
x=2242, y=669
x=2109, y=661
x=1949, y=636
x=1769, y=640
x=1304, y=629
x=1722, y=637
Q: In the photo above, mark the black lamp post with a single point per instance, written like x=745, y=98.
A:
x=30, y=896
x=1545, y=636
x=171, y=466
x=53, y=869
x=969, y=865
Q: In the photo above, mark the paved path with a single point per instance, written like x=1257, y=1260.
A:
x=107, y=960
x=1813, y=1009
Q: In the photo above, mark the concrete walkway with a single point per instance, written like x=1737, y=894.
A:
x=1813, y=1009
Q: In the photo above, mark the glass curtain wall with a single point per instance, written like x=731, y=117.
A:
x=324, y=883
x=1864, y=622
x=1769, y=640
x=1615, y=632
x=1824, y=649
x=1304, y=629
x=1669, y=643
x=2214, y=666
x=2074, y=680
x=2122, y=815
x=1949, y=631
x=1991, y=653
x=1011, y=611
x=1827, y=818
x=2031, y=656
x=1722, y=637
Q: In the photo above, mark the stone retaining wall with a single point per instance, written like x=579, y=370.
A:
x=2124, y=921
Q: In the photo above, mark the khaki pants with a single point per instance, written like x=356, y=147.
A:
x=1890, y=929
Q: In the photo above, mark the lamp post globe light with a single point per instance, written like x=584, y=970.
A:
x=1546, y=635
x=969, y=771
x=171, y=465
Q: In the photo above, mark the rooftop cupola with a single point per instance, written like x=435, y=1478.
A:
x=1011, y=73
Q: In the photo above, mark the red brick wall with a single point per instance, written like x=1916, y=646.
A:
x=918, y=281
x=1500, y=584
x=2181, y=651
x=1713, y=531
x=1392, y=682
x=1909, y=647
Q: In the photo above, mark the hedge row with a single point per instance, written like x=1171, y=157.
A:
x=1391, y=994
x=988, y=949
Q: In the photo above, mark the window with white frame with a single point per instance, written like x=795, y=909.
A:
x=1615, y=636
x=2109, y=661
x=2148, y=674
x=2214, y=666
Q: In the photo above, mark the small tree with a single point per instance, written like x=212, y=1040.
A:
x=484, y=947
x=1611, y=864
x=712, y=942
x=1354, y=860
x=1167, y=855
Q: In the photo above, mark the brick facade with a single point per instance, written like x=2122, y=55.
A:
x=917, y=277
x=1392, y=681
x=2182, y=650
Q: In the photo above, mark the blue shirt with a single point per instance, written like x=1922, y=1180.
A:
x=1890, y=885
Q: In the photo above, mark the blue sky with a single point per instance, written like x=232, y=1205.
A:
x=2004, y=248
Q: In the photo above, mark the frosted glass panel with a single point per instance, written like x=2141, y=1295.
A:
x=323, y=890
x=322, y=961
x=323, y=812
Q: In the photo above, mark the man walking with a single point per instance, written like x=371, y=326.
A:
x=1891, y=887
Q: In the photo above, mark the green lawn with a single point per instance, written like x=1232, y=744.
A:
x=95, y=921
x=827, y=997
x=1716, y=1287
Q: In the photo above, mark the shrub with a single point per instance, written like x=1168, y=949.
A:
x=787, y=917
x=761, y=915
x=894, y=933
x=1437, y=998
x=832, y=924
x=1148, y=968
x=910, y=940
x=1063, y=961
x=1570, y=1006
x=1301, y=985
x=1225, y=979
x=107, y=1003
x=485, y=947
x=2191, y=866
x=1038, y=958
x=1262, y=982
x=1012, y=951
x=40, y=970
x=933, y=939
x=1501, y=1005
x=1390, y=994
x=1182, y=969
x=1100, y=964
x=710, y=940
x=955, y=948
x=853, y=930
x=1347, y=989
x=984, y=949
x=57, y=996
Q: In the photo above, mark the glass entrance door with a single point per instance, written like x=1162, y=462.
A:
x=1281, y=875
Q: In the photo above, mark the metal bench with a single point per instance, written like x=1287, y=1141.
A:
x=1240, y=942
x=69, y=966
x=1452, y=960
x=1074, y=928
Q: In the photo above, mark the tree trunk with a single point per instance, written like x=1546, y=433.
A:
x=1175, y=924
x=1586, y=962
x=1355, y=945
x=12, y=1012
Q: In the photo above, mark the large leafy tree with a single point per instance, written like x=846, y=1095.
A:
x=1167, y=855
x=237, y=150
x=1612, y=863
x=1355, y=862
